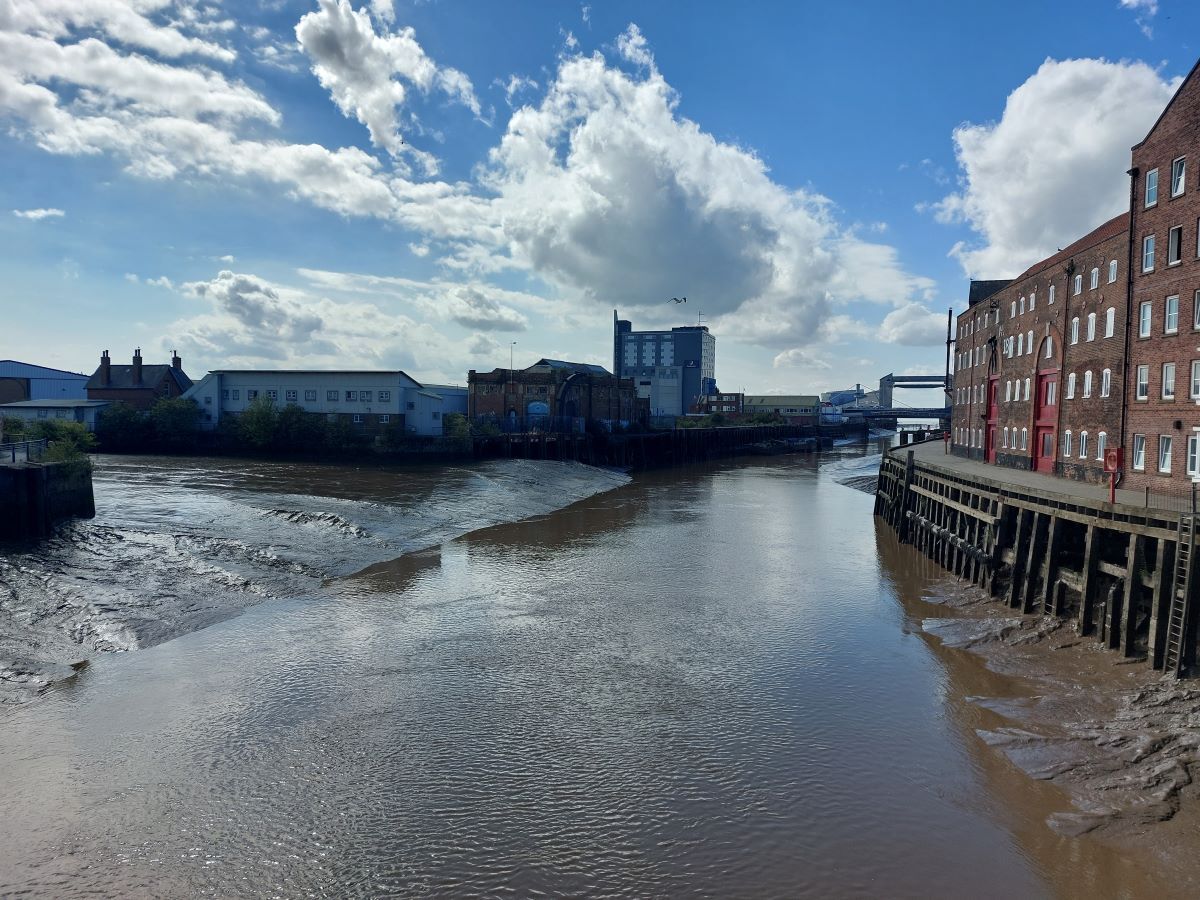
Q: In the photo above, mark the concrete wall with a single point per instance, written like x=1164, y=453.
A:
x=34, y=497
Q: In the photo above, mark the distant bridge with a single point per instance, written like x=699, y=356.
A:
x=890, y=382
x=903, y=412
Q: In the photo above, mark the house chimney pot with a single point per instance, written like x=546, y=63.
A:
x=105, y=372
x=137, y=366
x=176, y=361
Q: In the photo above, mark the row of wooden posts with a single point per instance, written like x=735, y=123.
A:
x=1121, y=573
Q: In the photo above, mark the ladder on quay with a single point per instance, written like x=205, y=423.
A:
x=1175, y=653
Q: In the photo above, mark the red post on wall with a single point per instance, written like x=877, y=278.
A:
x=1114, y=459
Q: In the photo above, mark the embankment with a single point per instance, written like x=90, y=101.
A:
x=35, y=496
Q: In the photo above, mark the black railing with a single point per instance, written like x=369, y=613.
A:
x=529, y=424
x=23, y=451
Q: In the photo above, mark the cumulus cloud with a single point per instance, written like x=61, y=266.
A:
x=366, y=72
x=1053, y=167
x=1146, y=11
x=37, y=215
x=913, y=325
x=477, y=304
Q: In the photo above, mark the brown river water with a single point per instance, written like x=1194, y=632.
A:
x=517, y=679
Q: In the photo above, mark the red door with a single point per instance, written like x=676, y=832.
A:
x=1045, y=421
x=993, y=414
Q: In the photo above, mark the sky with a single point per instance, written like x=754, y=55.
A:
x=433, y=186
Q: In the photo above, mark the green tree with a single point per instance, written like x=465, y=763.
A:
x=257, y=424
x=297, y=431
x=174, y=423
x=67, y=440
x=120, y=427
x=457, y=430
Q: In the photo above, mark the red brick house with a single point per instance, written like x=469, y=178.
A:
x=552, y=394
x=137, y=384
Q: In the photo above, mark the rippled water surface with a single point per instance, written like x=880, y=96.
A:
x=697, y=683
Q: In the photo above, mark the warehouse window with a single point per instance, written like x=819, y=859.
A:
x=1143, y=383
x=1029, y=342
x=1110, y=321
x=1087, y=383
x=1078, y=284
x=1168, y=381
x=1139, y=452
x=1171, y=316
x=1164, y=453
x=1112, y=271
x=1145, y=311
x=1049, y=346
x=1091, y=326
x=1066, y=443
x=1095, y=280
x=310, y=396
x=1083, y=436
x=1032, y=300
x=290, y=396
x=1105, y=382
x=332, y=396
x=1101, y=443
x=1024, y=438
x=1070, y=395
x=1051, y=289
x=1075, y=330
x=1005, y=437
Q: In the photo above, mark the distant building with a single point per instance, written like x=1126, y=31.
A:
x=454, y=397
x=26, y=381
x=795, y=409
x=82, y=411
x=137, y=384
x=671, y=369
x=552, y=394
x=726, y=404
x=371, y=401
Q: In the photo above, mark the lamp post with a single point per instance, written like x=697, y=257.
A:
x=511, y=400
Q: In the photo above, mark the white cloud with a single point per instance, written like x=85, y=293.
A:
x=227, y=258
x=37, y=215
x=252, y=322
x=132, y=278
x=913, y=326
x=515, y=85
x=1053, y=167
x=365, y=72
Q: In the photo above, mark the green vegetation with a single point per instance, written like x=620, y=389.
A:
x=67, y=440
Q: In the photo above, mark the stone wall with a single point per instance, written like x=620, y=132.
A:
x=34, y=497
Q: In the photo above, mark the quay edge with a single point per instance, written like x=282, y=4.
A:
x=1121, y=573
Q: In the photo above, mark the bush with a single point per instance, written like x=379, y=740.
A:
x=257, y=425
x=120, y=427
x=67, y=440
x=174, y=423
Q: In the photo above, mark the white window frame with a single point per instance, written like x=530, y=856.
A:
x=1021, y=307
x=1142, y=384
x=1013, y=310
x=1164, y=453
x=1139, y=453
x=1091, y=326
x=1066, y=443
x=1029, y=342
x=1171, y=315
x=1032, y=300
x=1026, y=388
x=1101, y=445
x=1110, y=321
x=1050, y=298
x=1083, y=438
x=1175, y=245
x=1148, y=253
x=1087, y=383
x=1005, y=438
x=1168, y=381
x=1193, y=455
x=1008, y=391
x=1075, y=330
x=1194, y=384
x=1094, y=281
x=1106, y=382
x=1078, y=285
x=1151, y=188
x=1178, y=176
x=1024, y=438
x=1112, y=271
x=1021, y=344
x=1145, y=318
x=1070, y=394
x=1049, y=346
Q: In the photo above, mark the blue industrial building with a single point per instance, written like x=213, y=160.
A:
x=26, y=381
x=669, y=368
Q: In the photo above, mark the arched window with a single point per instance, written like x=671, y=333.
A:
x=1013, y=311
x=1029, y=341
x=1105, y=382
x=1078, y=284
x=1110, y=320
x=1091, y=326
x=1112, y=271
x=1101, y=443
x=1075, y=330
x=1026, y=388
x=1066, y=443
x=1008, y=392
x=1049, y=346
x=1021, y=306
x=1050, y=293
x=1020, y=344
x=1095, y=283
x=1070, y=386
x=1024, y=438
x=1005, y=444
x=1083, y=445
x=1087, y=386
x=1032, y=301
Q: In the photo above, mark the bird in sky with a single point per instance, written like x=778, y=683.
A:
x=679, y=299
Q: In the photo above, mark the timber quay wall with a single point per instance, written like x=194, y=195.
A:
x=655, y=448
x=1120, y=573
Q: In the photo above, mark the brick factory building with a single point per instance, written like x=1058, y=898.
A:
x=1038, y=369
x=1098, y=346
x=552, y=394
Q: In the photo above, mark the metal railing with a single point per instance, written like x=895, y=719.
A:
x=1187, y=502
x=23, y=451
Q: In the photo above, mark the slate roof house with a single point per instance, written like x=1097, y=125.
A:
x=137, y=384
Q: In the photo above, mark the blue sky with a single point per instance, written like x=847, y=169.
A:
x=417, y=185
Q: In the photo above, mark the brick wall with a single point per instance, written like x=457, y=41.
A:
x=1177, y=134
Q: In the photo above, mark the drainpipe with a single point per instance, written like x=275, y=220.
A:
x=1133, y=181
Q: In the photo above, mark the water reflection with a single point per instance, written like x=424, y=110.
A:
x=699, y=683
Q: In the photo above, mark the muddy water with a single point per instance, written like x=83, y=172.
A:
x=709, y=682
